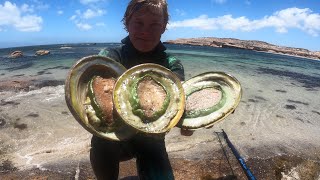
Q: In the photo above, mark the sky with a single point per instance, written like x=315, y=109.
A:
x=292, y=23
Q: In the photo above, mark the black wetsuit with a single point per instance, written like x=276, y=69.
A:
x=149, y=150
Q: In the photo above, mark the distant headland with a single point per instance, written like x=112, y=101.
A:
x=246, y=44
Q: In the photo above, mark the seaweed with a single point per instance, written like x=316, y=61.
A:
x=2, y=122
x=290, y=106
x=20, y=126
x=307, y=81
x=281, y=91
x=33, y=115
x=4, y=103
x=297, y=102
x=317, y=112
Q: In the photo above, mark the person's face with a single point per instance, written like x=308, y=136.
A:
x=145, y=29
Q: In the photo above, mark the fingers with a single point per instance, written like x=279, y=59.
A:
x=186, y=132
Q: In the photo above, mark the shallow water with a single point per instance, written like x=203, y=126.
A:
x=279, y=112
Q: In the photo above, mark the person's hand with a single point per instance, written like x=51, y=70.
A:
x=186, y=132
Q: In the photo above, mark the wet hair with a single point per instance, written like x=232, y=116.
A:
x=154, y=6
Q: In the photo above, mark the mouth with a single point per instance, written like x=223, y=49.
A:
x=144, y=38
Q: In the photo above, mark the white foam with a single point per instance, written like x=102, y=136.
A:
x=28, y=163
x=50, y=92
x=76, y=176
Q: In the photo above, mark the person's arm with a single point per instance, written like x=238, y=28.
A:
x=110, y=53
x=176, y=66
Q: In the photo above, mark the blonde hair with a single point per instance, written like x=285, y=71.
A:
x=155, y=6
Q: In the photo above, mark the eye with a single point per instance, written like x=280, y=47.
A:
x=156, y=25
x=138, y=23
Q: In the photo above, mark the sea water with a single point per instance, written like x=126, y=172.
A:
x=279, y=112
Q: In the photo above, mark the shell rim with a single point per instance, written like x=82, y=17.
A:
x=71, y=95
x=174, y=121
x=230, y=110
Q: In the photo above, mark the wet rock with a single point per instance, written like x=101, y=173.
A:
x=42, y=52
x=27, y=84
x=16, y=54
x=15, y=85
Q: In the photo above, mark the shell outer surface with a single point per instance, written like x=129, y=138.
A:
x=76, y=88
x=230, y=93
x=170, y=82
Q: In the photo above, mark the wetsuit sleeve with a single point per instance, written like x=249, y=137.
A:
x=110, y=53
x=176, y=67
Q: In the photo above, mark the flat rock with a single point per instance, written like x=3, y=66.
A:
x=16, y=54
x=42, y=52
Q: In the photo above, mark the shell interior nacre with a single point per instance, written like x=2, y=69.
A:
x=149, y=98
x=94, y=110
x=210, y=97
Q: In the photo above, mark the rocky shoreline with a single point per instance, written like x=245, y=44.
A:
x=248, y=45
x=278, y=167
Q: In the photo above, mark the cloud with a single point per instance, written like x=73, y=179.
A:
x=60, y=12
x=81, y=19
x=180, y=12
x=282, y=21
x=89, y=13
x=84, y=26
x=40, y=5
x=27, y=8
x=13, y=16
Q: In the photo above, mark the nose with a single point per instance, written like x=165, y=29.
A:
x=146, y=30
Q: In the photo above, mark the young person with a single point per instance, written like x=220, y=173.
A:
x=145, y=21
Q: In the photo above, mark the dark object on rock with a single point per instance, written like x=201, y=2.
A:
x=16, y=54
x=22, y=126
x=7, y=166
x=42, y=52
x=2, y=122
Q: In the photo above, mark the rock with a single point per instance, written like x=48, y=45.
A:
x=16, y=54
x=42, y=52
x=246, y=44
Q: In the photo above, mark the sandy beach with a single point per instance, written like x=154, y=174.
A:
x=35, y=150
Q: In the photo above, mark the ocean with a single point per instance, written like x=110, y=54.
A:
x=279, y=113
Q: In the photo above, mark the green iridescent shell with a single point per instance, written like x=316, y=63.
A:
x=210, y=98
x=150, y=98
x=81, y=103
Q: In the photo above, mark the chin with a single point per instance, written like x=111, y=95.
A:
x=145, y=48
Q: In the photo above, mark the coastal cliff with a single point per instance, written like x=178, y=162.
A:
x=246, y=44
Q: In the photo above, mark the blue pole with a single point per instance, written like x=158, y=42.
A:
x=239, y=158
